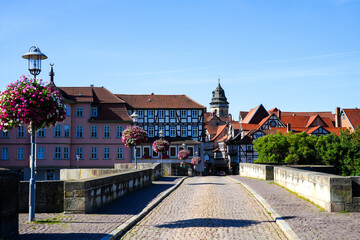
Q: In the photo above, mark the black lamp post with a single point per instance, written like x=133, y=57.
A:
x=34, y=57
x=135, y=118
x=161, y=135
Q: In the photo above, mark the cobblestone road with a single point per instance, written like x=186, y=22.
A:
x=95, y=225
x=207, y=208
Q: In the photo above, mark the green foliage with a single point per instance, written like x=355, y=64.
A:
x=343, y=151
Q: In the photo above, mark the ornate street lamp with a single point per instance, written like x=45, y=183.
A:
x=34, y=57
x=135, y=118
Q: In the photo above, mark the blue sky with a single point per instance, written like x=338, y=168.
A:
x=297, y=55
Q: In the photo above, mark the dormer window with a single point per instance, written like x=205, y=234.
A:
x=94, y=112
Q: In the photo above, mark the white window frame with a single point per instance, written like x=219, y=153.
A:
x=66, y=153
x=40, y=153
x=119, y=131
x=163, y=129
x=107, y=131
x=172, y=114
x=79, y=131
x=151, y=131
x=106, y=153
x=93, y=131
x=21, y=132
x=57, y=153
x=183, y=113
x=172, y=131
x=94, y=111
x=80, y=152
x=67, y=130
x=161, y=113
x=195, y=113
x=140, y=113
x=94, y=153
x=20, y=153
x=183, y=131
x=120, y=153
x=57, y=131
x=195, y=131
x=79, y=112
x=150, y=113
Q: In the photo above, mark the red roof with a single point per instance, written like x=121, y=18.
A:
x=247, y=126
x=89, y=94
x=219, y=131
x=160, y=101
x=353, y=116
x=308, y=114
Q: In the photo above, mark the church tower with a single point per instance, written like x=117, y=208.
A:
x=219, y=105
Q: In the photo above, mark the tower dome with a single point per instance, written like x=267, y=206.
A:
x=219, y=105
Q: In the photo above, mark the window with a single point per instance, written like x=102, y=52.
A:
x=194, y=113
x=66, y=153
x=107, y=153
x=183, y=131
x=41, y=132
x=50, y=175
x=191, y=150
x=79, y=152
x=21, y=132
x=138, y=152
x=106, y=131
x=5, y=134
x=40, y=153
x=20, y=153
x=172, y=114
x=140, y=113
x=94, y=112
x=57, y=131
x=67, y=111
x=249, y=148
x=161, y=114
x=172, y=132
x=161, y=129
x=57, y=153
x=93, y=131
x=5, y=153
x=150, y=113
x=195, y=132
x=119, y=153
x=79, y=131
x=146, y=152
x=79, y=112
x=93, y=153
x=172, y=151
x=119, y=131
x=272, y=123
x=66, y=130
x=151, y=131
x=183, y=113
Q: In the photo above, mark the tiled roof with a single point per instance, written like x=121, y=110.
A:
x=353, y=116
x=112, y=112
x=264, y=120
x=160, y=101
x=219, y=131
x=250, y=115
x=246, y=126
x=89, y=94
x=256, y=115
x=212, y=130
x=313, y=129
x=243, y=114
x=235, y=124
x=308, y=114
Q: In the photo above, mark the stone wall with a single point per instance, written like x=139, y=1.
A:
x=9, y=217
x=331, y=192
x=84, y=196
x=83, y=173
x=156, y=168
x=260, y=171
x=49, y=197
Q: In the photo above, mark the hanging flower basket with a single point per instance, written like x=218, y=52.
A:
x=133, y=136
x=183, y=154
x=30, y=101
x=196, y=160
x=161, y=146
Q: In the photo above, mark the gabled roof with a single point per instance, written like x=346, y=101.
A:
x=212, y=130
x=308, y=114
x=235, y=124
x=90, y=94
x=243, y=114
x=256, y=115
x=354, y=116
x=316, y=120
x=295, y=121
x=220, y=129
x=153, y=101
x=246, y=126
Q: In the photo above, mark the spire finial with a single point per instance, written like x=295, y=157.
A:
x=51, y=73
x=218, y=78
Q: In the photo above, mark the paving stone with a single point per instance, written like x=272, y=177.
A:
x=207, y=208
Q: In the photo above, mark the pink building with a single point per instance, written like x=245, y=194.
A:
x=95, y=120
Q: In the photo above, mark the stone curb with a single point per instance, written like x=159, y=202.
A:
x=278, y=219
x=123, y=228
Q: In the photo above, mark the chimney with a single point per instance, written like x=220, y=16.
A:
x=337, y=117
x=288, y=127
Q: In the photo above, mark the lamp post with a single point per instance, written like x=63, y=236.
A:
x=77, y=161
x=135, y=117
x=161, y=135
x=34, y=57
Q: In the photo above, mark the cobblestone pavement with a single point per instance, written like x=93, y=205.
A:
x=307, y=220
x=96, y=225
x=207, y=208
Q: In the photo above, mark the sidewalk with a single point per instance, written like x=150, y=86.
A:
x=306, y=219
x=95, y=225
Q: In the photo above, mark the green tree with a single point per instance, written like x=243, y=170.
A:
x=330, y=151
x=272, y=148
x=350, y=161
x=301, y=149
